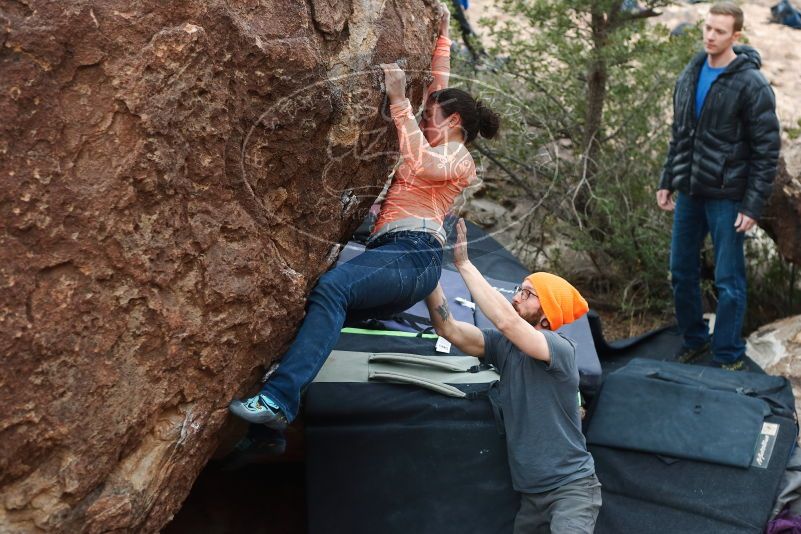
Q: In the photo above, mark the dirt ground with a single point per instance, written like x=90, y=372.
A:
x=622, y=325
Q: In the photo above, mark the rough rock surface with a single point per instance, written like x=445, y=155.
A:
x=783, y=213
x=776, y=347
x=173, y=179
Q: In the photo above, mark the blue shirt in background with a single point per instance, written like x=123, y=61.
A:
x=705, y=79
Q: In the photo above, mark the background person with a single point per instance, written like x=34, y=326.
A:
x=548, y=457
x=722, y=159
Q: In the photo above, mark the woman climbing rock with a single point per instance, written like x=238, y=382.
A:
x=403, y=258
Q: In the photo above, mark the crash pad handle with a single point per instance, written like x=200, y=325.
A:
x=433, y=385
x=418, y=360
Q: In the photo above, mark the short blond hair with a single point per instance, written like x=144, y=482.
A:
x=731, y=9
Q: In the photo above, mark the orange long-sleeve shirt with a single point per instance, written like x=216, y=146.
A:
x=428, y=178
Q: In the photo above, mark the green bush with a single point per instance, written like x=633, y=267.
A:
x=584, y=89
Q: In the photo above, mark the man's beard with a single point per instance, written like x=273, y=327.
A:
x=532, y=320
x=536, y=318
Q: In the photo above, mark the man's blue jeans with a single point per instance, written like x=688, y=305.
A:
x=693, y=219
x=396, y=271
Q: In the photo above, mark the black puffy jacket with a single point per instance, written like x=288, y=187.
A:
x=732, y=150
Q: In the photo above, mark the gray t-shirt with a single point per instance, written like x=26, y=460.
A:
x=541, y=413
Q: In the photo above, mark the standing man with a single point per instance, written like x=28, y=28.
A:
x=548, y=456
x=721, y=162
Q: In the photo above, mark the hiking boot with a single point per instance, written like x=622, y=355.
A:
x=259, y=409
x=736, y=365
x=691, y=354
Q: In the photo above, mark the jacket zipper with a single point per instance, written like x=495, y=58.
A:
x=704, y=107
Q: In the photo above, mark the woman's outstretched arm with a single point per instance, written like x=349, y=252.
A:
x=441, y=60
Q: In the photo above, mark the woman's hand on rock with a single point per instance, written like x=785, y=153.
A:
x=395, y=82
x=444, y=19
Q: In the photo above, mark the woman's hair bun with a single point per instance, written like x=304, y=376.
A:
x=476, y=117
x=488, y=121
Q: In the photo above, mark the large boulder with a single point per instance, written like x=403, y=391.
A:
x=783, y=212
x=174, y=176
x=776, y=347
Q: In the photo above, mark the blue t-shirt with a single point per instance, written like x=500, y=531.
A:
x=705, y=79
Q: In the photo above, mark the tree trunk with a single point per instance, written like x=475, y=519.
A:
x=596, y=95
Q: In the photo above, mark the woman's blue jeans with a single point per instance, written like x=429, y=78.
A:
x=693, y=219
x=396, y=271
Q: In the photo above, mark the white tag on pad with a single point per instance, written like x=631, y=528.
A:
x=466, y=303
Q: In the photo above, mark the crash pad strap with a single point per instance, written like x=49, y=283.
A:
x=351, y=366
x=403, y=378
x=368, y=332
x=439, y=363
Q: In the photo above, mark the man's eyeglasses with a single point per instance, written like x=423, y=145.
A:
x=525, y=293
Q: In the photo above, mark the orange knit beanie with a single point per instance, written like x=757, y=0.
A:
x=560, y=301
